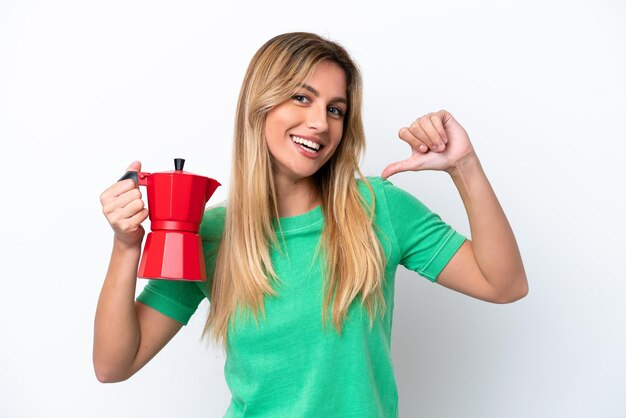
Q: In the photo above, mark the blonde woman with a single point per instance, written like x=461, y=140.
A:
x=301, y=259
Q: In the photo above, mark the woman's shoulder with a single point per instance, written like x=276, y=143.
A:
x=378, y=184
x=375, y=181
x=386, y=192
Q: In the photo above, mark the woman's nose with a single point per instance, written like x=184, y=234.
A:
x=316, y=118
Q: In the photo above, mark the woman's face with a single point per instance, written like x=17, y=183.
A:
x=304, y=132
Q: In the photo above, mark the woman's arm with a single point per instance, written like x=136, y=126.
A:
x=490, y=266
x=127, y=334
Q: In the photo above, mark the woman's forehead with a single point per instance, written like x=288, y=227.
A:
x=327, y=79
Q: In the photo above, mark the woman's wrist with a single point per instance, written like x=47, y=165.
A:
x=465, y=166
x=120, y=246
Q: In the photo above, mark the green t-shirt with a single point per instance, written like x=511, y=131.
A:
x=287, y=366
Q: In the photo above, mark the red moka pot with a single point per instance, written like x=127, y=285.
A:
x=176, y=201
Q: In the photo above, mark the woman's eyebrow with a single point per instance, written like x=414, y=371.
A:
x=317, y=94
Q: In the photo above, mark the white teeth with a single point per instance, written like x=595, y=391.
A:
x=306, y=142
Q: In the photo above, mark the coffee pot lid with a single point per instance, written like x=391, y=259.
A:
x=178, y=168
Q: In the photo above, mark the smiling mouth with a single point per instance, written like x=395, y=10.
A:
x=307, y=145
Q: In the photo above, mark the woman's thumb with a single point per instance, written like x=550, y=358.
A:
x=398, y=167
x=134, y=166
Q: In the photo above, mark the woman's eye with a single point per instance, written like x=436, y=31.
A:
x=336, y=111
x=300, y=98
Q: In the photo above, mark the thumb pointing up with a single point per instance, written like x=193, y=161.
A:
x=134, y=166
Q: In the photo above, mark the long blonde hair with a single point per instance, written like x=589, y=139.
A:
x=354, y=261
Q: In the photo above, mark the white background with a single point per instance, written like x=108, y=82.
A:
x=88, y=87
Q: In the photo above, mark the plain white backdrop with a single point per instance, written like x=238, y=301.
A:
x=88, y=87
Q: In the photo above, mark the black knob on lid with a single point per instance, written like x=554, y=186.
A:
x=179, y=163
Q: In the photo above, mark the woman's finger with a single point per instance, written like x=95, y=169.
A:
x=141, y=216
x=116, y=190
x=406, y=135
x=112, y=204
x=129, y=197
x=429, y=129
x=419, y=133
x=438, y=123
x=129, y=210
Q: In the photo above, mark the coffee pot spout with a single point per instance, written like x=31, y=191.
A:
x=211, y=186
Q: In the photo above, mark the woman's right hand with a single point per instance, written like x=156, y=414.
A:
x=124, y=209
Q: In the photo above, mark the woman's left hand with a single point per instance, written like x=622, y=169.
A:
x=437, y=142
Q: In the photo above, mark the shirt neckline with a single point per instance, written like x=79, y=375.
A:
x=304, y=220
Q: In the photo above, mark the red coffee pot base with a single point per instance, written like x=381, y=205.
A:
x=173, y=255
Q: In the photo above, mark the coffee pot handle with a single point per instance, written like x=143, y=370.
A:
x=140, y=179
x=130, y=175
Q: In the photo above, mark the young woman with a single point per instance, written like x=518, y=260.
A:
x=302, y=257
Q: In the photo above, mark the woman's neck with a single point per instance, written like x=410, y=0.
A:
x=295, y=197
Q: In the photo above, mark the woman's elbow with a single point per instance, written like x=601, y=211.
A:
x=520, y=292
x=105, y=375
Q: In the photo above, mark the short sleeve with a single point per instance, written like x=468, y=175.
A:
x=176, y=299
x=426, y=242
